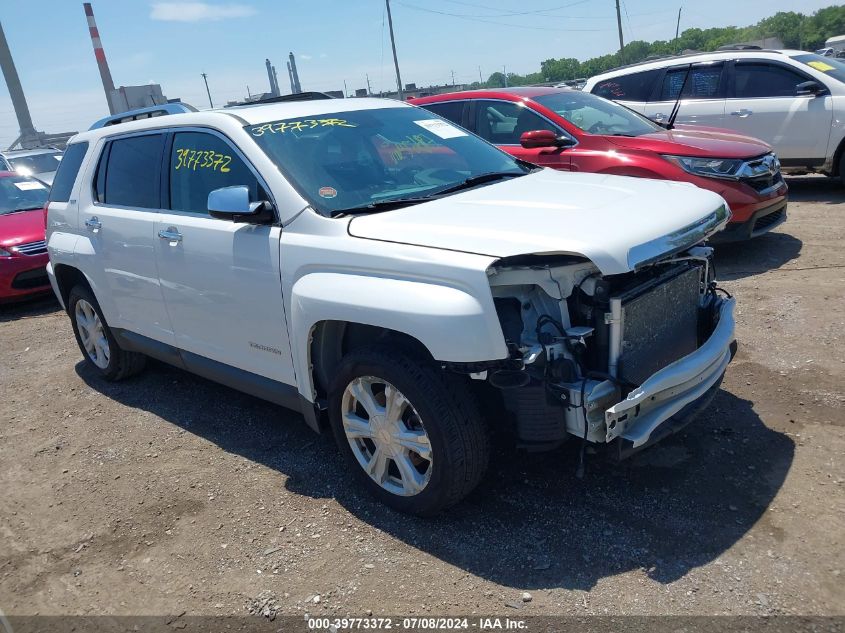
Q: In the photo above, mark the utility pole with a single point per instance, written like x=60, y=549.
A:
x=678, y=27
x=205, y=79
x=393, y=45
x=480, y=80
x=453, y=78
x=505, y=73
x=619, y=24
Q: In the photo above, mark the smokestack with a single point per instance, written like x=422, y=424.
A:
x=290, y=78
x=276, y=82
x=271, y=76
x=295, y=85
x=15, y=90
x=100, y=55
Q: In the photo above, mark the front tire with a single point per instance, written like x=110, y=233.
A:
x=96, y=341
x=412, y=434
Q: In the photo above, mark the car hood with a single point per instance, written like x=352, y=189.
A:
x=695, y=141
x=21, y=228
x=617, y=222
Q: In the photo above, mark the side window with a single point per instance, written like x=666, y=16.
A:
x=633, y=87
x=67, y=172
x=200, y=163
x=703, y=82
x=753, y=80
x=503, y=122
x=131, y=176
x=452, y=110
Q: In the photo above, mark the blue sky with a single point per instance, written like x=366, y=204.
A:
x=172, y=42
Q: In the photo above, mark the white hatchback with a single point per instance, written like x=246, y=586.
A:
x=793, y=100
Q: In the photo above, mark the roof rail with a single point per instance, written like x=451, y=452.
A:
x=296, y=96
x=143, y=113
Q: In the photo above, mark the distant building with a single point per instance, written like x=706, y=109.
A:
x=128, y=98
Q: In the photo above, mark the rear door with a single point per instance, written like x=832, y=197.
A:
x=502, y=123
x=120, y=225
x=221, y=279
x=762, y=102
x=703, y=99
x=634, y=90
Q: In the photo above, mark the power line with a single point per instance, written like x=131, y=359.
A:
x=476, y=19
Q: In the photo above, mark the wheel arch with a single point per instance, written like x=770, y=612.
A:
x=67, y=277
x=334, y=312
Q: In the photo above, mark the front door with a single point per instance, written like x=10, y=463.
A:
x=221, y=279
x=763, y=104
x=703, y=99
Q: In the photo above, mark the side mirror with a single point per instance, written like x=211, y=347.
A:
x=544, y=138
x=810, y=88
x=232, y=203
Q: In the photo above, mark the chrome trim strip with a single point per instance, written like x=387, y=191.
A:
x=679, y=240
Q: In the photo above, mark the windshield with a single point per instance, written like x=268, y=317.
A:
x=595, y=115
x=828, y=65
x=36, y=163
x=20, y=193
x=358, y=158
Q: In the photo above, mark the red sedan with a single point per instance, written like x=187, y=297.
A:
x=571, y=130
x=23, y=253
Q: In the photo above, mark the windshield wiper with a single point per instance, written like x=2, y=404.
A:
x=382, y=205
x=480, y=179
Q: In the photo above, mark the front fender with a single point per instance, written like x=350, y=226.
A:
x=451, y=323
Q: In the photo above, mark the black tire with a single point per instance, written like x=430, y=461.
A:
x=121, y=363
x=459, y=439
x=842, y=168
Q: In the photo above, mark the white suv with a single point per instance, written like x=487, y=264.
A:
x=793, y=100
x=387, y=273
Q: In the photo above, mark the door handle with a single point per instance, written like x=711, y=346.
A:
x=94, y=224
x=742, y=114
x=172, y=234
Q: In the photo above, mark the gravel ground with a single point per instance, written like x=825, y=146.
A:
x=170, y=494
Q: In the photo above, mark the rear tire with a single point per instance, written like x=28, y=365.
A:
x=412, y=434
x=842, y=168
x=96, y=341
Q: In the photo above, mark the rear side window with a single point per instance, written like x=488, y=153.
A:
x=132, y=172
x=755, y=80
x=67, y=172
x=633, y=87
x=703, y=82
x=200, y=163
x=452, y=110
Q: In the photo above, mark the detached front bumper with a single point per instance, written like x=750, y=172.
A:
x=674, y=390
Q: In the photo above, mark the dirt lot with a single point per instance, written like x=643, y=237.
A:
x=169, y=493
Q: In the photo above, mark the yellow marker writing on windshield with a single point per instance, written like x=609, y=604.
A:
x=281, y=127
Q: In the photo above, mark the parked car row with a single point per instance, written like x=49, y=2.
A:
x=383, y=267
x=382, y=271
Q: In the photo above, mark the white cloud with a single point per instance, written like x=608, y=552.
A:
x=198, y=11
x=305, y=57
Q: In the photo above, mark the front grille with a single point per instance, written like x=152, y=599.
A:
x=659, y=325
x=31, y=248
x=764, y=183
x=761, y=174
x=765, y=221
x=35, y=278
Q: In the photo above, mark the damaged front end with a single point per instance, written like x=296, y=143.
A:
x=614, y=359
